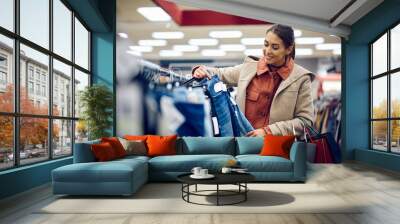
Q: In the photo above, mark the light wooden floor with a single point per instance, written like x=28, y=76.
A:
x=378, y=188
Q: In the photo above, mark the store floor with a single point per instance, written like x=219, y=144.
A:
x=378, y=189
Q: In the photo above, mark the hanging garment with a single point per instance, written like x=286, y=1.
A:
x=231, y=122
x=190, y=103
x=171, y=118
x=208, y=131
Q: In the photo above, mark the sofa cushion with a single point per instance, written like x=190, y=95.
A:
x=161, y=145
x=208, y=145
x=257, y=163
x=112, y=171
x=249, y=145
x=185, y=163
x=277, y=146
x=103, y=152
x=134, y=147
x=116, y=145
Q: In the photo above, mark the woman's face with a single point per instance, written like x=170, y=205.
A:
x=275, y=50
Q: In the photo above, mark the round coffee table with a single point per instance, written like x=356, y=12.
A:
x=238, y=179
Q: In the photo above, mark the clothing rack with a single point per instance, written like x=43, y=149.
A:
x=328, y=115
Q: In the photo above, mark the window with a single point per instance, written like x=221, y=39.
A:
x=44, y=77
x=6, y=142
x=7, y=14
x=37, y=74
x=81, y=45
x=33, y=147
x=30, y=72
x=3, y=78
x=37, y=89
x=30, y=87
x=62, y=74
x=62, y=137
x=3, y=61
x=62, y=29
x=44, y=91
x=34, y=21
x=81, y=81
x=385, y=97
x=44, y=131
x=6, y=74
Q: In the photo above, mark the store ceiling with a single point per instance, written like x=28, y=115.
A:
x=137, y=27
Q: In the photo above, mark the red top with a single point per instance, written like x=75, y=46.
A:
x=261, y=91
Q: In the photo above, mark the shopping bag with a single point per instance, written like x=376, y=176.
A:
x=310, y=147
x=327, y=149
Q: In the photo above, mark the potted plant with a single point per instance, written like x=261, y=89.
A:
x=96, y=102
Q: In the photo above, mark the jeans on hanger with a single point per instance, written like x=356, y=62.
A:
x=231, y=120
x=241, y=126
x=221, y=107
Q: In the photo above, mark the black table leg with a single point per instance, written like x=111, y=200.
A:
x=217, y=194
x=196, y=188
x=245, y=193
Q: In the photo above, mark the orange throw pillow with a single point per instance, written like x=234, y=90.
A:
x=103, y=152
x=277, y=146
x=116, y=145
x=161, y=145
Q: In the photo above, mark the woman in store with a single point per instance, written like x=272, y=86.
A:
x=273, y=92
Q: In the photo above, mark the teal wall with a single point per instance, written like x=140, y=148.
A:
x=356, y=85
x=103, y=52
x=100, y=17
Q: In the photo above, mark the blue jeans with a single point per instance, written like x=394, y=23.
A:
x=241, y=126
x=231, y=121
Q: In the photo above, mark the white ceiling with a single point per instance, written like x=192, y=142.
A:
x=315, y=15
x=137, y=27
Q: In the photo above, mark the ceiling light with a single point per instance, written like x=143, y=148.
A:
x=136, y=53
x=304, y=51
x=337, y=51
x=152, y=42
x=225, y=34
x=154, y=14
x=309, y=40
x=203, y=42
x=168, y=35
x=297, y=33
x=232, y=47
x=252, y=41
x=123, y=35
x=328, y=46
x=170, y=53
x=213, y=52
x=186, y=48
x=141, y=48
x=253, y=52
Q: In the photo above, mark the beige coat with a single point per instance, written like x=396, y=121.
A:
x=292, y=99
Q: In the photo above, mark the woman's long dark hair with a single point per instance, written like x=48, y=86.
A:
x=286, y=34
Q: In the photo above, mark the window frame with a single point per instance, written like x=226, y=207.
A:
x=16, y=114
x=388, y=74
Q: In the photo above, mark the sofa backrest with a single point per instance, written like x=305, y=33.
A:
x=206, y=145
x=249, y=145
x=83, y=152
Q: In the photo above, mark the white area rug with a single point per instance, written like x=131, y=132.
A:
x=166, y=198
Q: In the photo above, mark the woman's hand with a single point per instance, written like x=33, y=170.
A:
x=256, y=133
x=200, y=72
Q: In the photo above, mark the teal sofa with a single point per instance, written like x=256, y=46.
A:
x=125, y=176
